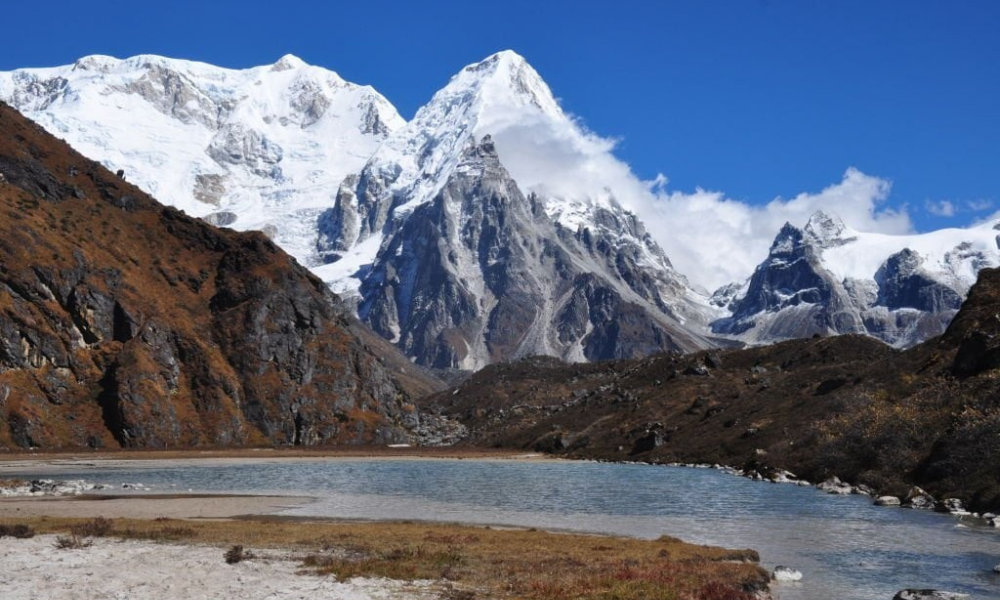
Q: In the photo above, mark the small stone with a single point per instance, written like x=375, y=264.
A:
x=782, y=573
x=888, y=501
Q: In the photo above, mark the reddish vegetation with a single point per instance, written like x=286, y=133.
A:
x=126, y=323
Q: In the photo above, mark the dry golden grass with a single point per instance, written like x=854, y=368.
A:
x=477, y=562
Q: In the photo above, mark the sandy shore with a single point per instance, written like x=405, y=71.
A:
x=146, y=506
x=54, y=464
x=34, y=569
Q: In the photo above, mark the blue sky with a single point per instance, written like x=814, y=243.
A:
x=756, y=98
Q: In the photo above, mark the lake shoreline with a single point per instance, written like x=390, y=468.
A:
x=354, y=561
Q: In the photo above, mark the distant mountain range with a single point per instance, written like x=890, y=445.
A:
x=442, y=232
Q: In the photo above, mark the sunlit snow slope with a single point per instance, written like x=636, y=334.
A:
x=262, y=148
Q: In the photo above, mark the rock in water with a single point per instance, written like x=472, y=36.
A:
x=928, y=595
x=782, y=573
x=834, y=485
x=951, y=505
x=887, y=501
x=919, y=499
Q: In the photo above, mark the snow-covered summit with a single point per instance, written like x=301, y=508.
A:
x=484, y=98
x=418, y=235
x=502, y=97
x=829, y=278
x=260, y=148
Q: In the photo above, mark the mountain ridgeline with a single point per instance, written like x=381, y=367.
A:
x=827, y=279
x=483, y=230
x=124, y=323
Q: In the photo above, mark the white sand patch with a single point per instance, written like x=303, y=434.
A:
x=34, y=569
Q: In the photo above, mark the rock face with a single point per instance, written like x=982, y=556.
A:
x=124, y=323
x=827, y=279
x=481, y=274
x=460, y=266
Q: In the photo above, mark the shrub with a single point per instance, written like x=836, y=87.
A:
x=17, y=531
x=72, y=542
x=99, y=527
x=237, y=554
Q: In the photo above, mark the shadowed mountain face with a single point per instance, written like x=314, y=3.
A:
x=846, y=405
x=481, y=274
x=125, y=323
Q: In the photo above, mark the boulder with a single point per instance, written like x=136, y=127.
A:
x=649, y=441
x=919, y=499
x=863, y=490
x=700, y=370
x=951, y=505
x=887, y=501
x=834, y=485
x=928, y=595
x=782, y=573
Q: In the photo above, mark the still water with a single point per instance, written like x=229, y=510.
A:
x=844, y=546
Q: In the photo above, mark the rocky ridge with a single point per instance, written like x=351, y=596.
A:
x=126, y=323
x=827, y=279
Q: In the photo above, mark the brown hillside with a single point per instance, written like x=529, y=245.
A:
x=846, y=406
x=126, y=323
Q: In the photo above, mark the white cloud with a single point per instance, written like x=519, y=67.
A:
x=979, y=205
x=950, y=208
x=711, y=239
x=714, y=240
x=940, y=208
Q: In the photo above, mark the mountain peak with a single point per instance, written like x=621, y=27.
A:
x=95, y=62
x=500, y=83
x=825, y=225
x=507, y=58
x=288, y=62
x=826, y=230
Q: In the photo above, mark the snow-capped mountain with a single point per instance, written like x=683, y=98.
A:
x=479, y=231
x=444, y=231
x=827, y=278
x=462, y=260
x=262, y=148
